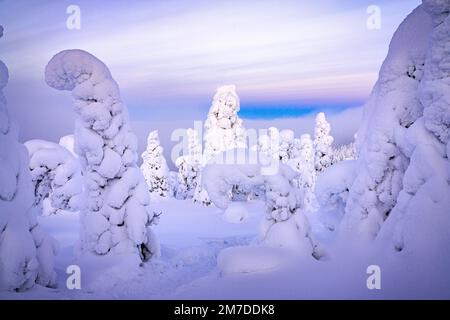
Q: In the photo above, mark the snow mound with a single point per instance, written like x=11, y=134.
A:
x=250, y=259
x=235, y=213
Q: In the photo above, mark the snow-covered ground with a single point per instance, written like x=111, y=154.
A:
x=191, y=237
x=194, y=264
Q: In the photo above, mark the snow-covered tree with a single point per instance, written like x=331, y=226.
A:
x=26, y=251
x=56, y=175
x=390, y=115
x=289, y=147
x=118, y=215
x=303, y=163
x=322, y=143
x=286, y=225
x=189, y=167
x=172, y=180
x=420, y=220
x=154, y=166
x=344, y=152
x=223, y=131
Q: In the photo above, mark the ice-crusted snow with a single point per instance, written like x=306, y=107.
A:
x=118, y=212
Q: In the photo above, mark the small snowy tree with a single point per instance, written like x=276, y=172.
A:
x=56, y=175
x=223, y=131
x=26, y=251
x=118, y=215
x=322, y=143
x=303, y=163
x=189, y=167
x=289, y=147
x=154, y=166
x=345, y=152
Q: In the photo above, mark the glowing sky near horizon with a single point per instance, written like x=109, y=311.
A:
x=169, y=56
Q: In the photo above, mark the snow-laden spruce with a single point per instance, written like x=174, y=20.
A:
x=322, y=143
x=118, y=215
x=223, y=131
x=26, y=251
x=154, y=166
x=390, y=113
x=189, y=167
x=420, y=219
x=56, y=175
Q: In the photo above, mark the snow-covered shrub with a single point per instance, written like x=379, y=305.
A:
x=390, y=112
x=332, y=189
x=118, y=215
x=223, y=131
x=26, y=251
x=154, y=166
x=56, y=174
x=322, y=143
x=189, y=167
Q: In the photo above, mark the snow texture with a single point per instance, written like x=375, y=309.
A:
x=118, y=215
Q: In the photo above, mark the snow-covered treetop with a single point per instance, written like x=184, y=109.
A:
x=70, y=68
x=224, y=108
x=322, y=129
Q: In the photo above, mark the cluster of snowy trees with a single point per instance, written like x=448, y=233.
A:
x=224, y=132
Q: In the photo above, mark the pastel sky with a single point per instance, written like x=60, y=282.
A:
x=287, y=58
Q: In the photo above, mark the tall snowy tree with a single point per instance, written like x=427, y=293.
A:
x=189, y=167
x=118, y=216
x=223, y=131
x=26, y=251
x=402, y=186
x=322, y=143
x=154, y=166
x=420, y=220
